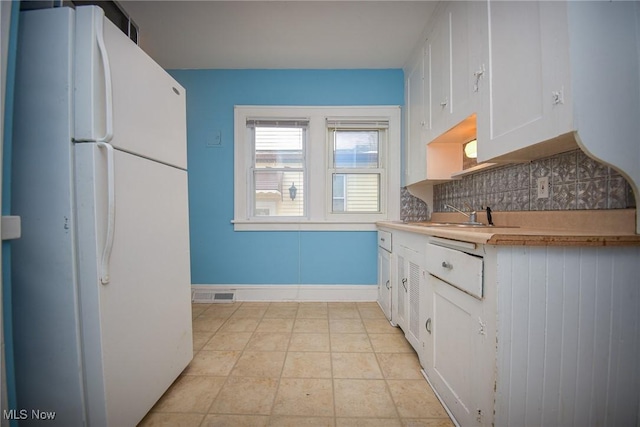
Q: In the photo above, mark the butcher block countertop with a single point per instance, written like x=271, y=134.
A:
x=546, y=228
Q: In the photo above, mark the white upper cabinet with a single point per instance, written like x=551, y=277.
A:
x=444, y=80
x=529, y=98
x=563, y=75
x=455, y=51
x=439, y=74
x=416, y=164
x=541, y=78
x=468, y=31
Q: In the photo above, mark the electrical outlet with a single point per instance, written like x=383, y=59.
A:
x=543, y=187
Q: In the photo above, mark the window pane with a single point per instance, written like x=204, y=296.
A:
x=338, y=193
x=278, y=147
x=360, y=192
x=278, y=193
x=355, y=149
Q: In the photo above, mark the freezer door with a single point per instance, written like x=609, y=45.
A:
x=121, y=91
x=137, y=334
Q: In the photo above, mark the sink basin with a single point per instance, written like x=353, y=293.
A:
x=451, y=224
x=460, y=225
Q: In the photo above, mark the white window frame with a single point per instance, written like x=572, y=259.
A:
x=358, y=124
x=250, y=140
x=317, y=165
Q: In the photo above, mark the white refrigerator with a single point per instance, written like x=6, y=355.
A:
x=101, y=275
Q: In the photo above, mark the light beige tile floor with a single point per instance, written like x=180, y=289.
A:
x=298, y=364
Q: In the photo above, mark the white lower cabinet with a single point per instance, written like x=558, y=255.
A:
x=453, y=347
x=520, y=335
x=402, y=295
x=401, y=279
x=455, y=340
x=411, y=277
x=408, y=280
x=384, y=282
x=553, y=336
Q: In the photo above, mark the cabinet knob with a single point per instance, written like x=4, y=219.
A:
x=404, y=284
x=387, y=284
x=447, y=265
x=427, y=325
x=444, y=103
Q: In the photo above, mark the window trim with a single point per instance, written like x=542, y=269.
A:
x=317, y=194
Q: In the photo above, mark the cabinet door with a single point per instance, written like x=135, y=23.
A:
x=468, y=31
x=439, y=75
x=425, y=350
x=415, y=285
x=452, y=348
x=384, y=282
x=402, y=293
x=528, y=47
x=416, y=121
x=411, y=278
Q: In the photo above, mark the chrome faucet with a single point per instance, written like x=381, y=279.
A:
x=472, y=215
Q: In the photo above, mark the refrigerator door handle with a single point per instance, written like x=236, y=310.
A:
x=107, y=78
x=111, y=211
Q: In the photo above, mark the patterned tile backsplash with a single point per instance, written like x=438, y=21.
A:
x=575, y=182
x=412, y=208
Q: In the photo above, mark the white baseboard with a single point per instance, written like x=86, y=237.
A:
x=324, y=293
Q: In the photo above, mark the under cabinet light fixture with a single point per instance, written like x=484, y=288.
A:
x=471, y=149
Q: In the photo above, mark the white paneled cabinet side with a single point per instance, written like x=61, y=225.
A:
x=568, y=335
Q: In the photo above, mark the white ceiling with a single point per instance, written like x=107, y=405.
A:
x=279, y=34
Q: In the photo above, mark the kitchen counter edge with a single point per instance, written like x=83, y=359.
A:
x=521, y=236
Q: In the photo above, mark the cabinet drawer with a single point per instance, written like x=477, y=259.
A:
x=384, y=240
x=460, y=269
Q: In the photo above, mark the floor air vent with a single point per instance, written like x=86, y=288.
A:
x=203, y=296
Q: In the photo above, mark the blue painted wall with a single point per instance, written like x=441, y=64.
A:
x=218, y=254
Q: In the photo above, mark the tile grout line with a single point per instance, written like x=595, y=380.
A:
x=333, y=378
x=236, y=362
x=368, y=331
x=286, y=354
x=213, y=401
x=386, y=384
x=182, y=375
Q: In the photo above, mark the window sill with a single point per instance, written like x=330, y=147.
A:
x=253, y=225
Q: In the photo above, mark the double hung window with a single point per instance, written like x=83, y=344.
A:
x=356, y=168
x=316, y=168
x=278, y=167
